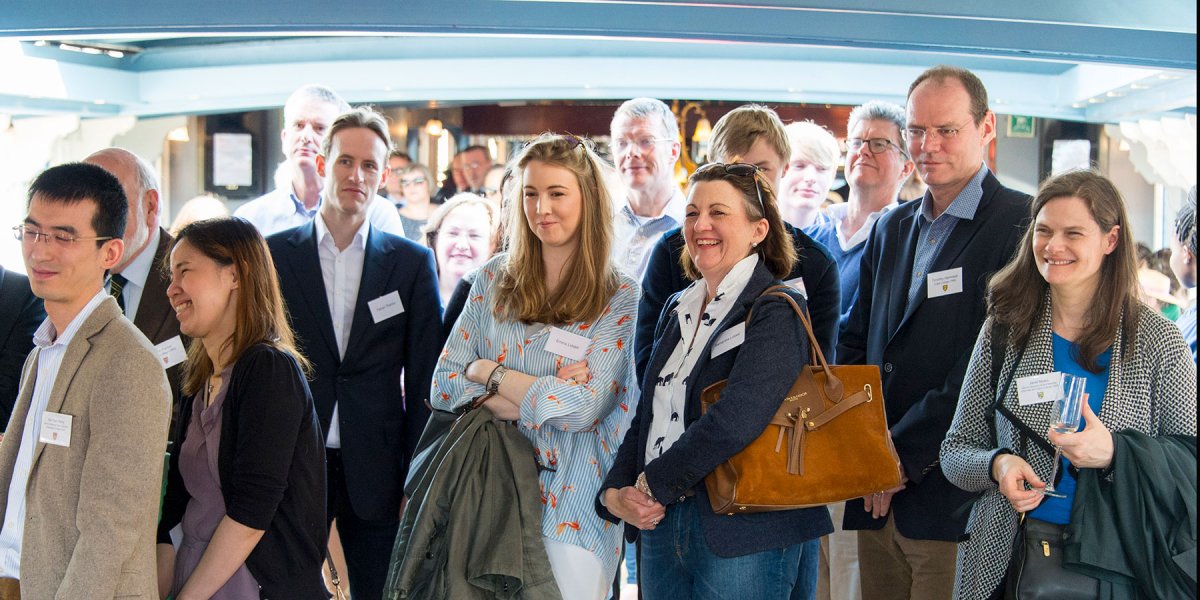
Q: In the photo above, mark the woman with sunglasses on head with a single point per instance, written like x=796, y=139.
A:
x=1067, y=303
x=416, y=187
x=736, y=248
x=547, y=332
x=247, y=482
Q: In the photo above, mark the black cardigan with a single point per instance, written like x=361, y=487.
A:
x=272, y=469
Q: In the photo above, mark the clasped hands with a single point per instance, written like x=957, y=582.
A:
x=1091, y=448
x=634, y=507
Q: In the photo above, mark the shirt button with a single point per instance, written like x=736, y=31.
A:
x=919, y=274
x=888, y=368
x=932, y=242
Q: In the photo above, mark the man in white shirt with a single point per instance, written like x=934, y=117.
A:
x=307, y=115
x=645, y=148
x=81, y=465
x=365, y=308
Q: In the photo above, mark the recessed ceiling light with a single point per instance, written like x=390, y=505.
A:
x=1095, y=100
x=1114, y=94
x=1078, y=105
x=1138, y=86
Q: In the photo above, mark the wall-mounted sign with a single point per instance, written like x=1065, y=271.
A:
x=1020, y=126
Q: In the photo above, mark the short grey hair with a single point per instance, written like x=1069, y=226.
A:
x=878, y=110
x=649, y=108
x=318, y=93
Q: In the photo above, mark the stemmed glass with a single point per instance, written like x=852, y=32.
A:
x=1066, y=412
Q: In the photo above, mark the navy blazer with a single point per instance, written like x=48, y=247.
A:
x=379, y=425
x=760, y=372
x=664, y=276
x=20, y=315
x=922, y=350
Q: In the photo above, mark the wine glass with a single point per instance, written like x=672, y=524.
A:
x=1065, y=415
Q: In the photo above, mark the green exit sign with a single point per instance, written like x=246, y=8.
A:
x=1021, y=126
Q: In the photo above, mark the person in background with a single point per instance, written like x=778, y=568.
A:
x=1067, y=303
x=492, y=182
x=20, y=314
x=547, y=336
x=306, y=118
x=1183, y=264
x=476, y=161
x=248, y=483
x=811, y=170
x=398, y=160
x=736, y=248
x=199, y=208
x=463, y=234
x=416, y=184
x=81, y=465
x=1154, y=288
x=922, y=286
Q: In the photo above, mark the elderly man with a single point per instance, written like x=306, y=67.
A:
x=307, y=115
x=81, y=465
x=921, y=302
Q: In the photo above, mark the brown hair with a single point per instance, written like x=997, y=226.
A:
x=736, y=132
x=1016, y=292
x=776, y=250
x=970, y=81
x=364, y=117
x=259, y=316
x=589, y=280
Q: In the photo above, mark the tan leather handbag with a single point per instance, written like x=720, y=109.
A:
x=827, y=443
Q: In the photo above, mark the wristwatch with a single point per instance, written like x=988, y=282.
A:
x=642, y=486
x=493, y=382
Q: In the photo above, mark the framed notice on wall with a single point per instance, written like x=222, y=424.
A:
x=233, y=159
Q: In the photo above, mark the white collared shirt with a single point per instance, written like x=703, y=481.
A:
x=697, y=323
x=634, y=236
x=281, y=209
x=341, y=272
x=52, y=346
x=136, y=274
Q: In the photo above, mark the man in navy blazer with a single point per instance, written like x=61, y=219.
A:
x=364, y=306
x=921, y=302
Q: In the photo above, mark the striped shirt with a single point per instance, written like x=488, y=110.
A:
x=575, y=428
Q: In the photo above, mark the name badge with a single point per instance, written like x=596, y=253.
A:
x=566, y=344
x=944, y=283
x=386, y=306
x=171, y=352
x=1036, y=389
x=729, y=339
x=56, y=429
x=798, y=285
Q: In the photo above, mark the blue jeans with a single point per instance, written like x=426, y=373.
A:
x=806, y=579
x=676, y=564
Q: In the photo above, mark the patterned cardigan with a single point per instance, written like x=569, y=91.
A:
x=1151, y=389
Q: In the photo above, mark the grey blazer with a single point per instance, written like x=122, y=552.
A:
x=92, y=507
x=1151, y=389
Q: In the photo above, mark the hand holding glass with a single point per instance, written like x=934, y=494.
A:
x=1064, y=418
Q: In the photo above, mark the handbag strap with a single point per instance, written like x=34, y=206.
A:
x=1000, y=335
x=833, y=385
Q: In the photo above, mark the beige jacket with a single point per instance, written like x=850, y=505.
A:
x=92, y=507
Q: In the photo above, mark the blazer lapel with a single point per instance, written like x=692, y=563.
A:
x=377, y=271
x=305, y=264
x=154, y=310
x=902, y=268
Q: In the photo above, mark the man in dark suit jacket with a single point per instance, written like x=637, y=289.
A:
x=921, y=303
x=364, y=306
x=20, y=314
x=751, y=134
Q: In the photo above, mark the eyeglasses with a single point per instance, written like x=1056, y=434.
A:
x=408, y=182
x=25, y=233
x=644, y=145
x=875, y=145
x=918, y=134
x=739, y=170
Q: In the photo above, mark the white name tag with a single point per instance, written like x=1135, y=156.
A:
x=944, y=283
x=1036, y=389
x=171, y=352
x=729, y=339
x=56, y=429
x=798, y=285
x=386, y=306
x=566, y=344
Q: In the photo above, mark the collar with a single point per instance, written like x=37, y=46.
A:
x=138, y=271
x=965, y=204
x=326, y=238
x=299, y=206
x=835, y=213
x=46, y=336
x=674, y=210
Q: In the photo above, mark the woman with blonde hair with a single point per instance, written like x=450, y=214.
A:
x=546, y=336
x=463, y=234
x=248, y=480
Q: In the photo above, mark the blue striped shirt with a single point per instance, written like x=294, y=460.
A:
x=932, y=233
x=575, y=428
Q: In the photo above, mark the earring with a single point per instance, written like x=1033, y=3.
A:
x=753, y=244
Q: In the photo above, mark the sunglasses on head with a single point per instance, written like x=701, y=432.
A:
x=739, y=170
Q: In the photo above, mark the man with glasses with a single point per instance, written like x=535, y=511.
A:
x=921, y=302
x=81, y=465
x=398, y=160
x=645, y=147
x=476, y=160
x=307, y=115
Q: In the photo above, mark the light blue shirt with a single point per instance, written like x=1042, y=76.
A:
x=932, y=233
x=281, y=209
x=51, y=346
x=1187, y=325
x=634, y=236
x=136, y=273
